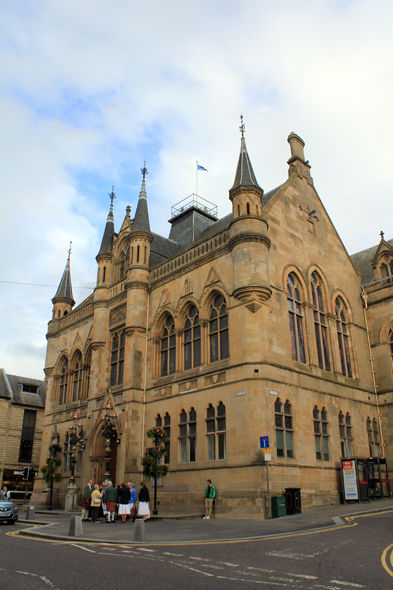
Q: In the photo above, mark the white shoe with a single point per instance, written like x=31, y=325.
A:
x=207, y=517
x=204, y=518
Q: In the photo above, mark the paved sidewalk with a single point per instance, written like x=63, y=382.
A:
x=180, y=529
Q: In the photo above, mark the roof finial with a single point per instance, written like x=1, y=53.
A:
x=70, y=251
x=112, y=196
x=144, y=170
x=242, y=126
x=382, y=234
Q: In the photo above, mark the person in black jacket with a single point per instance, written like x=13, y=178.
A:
x=144, y=499
x=124, y=496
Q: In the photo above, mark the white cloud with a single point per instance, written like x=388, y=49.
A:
x=90, y=90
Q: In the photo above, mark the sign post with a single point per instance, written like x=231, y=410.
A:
x=264, y=442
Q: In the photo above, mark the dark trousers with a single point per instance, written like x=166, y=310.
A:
x=94, y=513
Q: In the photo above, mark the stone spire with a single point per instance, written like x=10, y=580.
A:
x=107, y=240
x=244, y=174
x=141, y=219
x=64, y=292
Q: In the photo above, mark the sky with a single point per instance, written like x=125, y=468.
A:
x=91, y=89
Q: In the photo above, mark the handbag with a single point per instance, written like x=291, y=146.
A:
x=133, y=512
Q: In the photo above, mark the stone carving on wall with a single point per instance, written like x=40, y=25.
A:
x=117, y=314
x=216, y=378
x=188, y=385
x=163, y=391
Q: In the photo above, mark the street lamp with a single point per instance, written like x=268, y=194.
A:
x=76, y=440
x=108, y=431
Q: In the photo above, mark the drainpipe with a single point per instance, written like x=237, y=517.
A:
x=373, y=371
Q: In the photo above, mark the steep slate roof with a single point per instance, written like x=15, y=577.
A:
x=107, y=240
x=10, y=383
x=244, y=174
x=362, y=262
x=161, y=249
x=141, y=219
x=65, y=288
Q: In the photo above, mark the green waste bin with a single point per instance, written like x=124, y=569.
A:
x=279, y=507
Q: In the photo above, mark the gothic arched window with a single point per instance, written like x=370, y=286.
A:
x=117, y=357
x=284, y=428
x=295, y=319
x=63, y=381
x=343, y=337
x=192, y=339
x=168, y=347
x=218, y=329
x=320, y=323
x=77, y=380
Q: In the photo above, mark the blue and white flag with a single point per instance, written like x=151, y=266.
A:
x=201, y=168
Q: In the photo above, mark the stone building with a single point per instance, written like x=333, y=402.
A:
x=230, y=329
x=22, y=405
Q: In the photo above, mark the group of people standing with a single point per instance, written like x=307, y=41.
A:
x=114, y=501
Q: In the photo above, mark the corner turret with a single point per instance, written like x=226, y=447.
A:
x=104, y=256
x=63, y=301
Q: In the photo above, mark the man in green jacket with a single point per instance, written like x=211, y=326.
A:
x=110, y=499
x=210, y=494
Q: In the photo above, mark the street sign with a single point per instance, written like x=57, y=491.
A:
x=268, y=454
x=264, y=441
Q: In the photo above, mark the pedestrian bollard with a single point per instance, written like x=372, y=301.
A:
x=30, y=513
x=76, y=529
x=139, y=530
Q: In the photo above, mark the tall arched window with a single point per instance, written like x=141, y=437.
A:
x=117, y=357
x=284, y=428
x=86, y=385
x=216, y=432
x=218, y=329
x=77, y=381
x=346, y=439
x=320, y=324
x=168, y=347
x=343, y=337
x=63, y=381
x=295, y=319
x=321, y=434
x=167, y=428
x=187, y=436
x=192, y=339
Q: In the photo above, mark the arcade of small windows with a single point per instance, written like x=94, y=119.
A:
x=346, y=439
x=343, y=337
x=216, y=432
x=167, y=428
x=295, y=319
x=187, y=436
x=284, y=428
x=117, y=357
x=321, y=433
x=193, y=337
x=320, y=325
x=373, y=437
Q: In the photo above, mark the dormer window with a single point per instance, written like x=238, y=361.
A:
x=27, y=388
x=387, y=271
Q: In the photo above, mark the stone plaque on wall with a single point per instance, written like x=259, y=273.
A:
x=216, y=378
x=188, y=385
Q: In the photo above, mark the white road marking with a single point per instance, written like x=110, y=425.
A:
x=346, y=584
x=230, y=564
x=81, y=547
x=327, y=587
x=200, y=558
x=290, y=555
x=26, y=573
x=302, y=576
x=143, y=549
x=261, y=569
x=281, y=579
x=44, y=579
x=338, y=520
x=193, y=569
x=251, y=581
x=174, y=554
x=214, y=567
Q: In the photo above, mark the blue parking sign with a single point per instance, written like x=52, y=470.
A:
x=264, y=440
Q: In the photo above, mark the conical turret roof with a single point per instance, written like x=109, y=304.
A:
x=107, y=240
x=244, y=174
x=65, y=287
x=141, y=219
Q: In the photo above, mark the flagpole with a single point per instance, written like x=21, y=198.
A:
x=196, y=181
